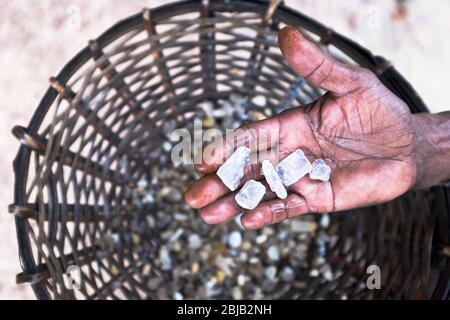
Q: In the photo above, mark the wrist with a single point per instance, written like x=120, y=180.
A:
x=432, y=149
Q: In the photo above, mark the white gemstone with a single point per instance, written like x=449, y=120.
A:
x=273, y=179
x=259, y=101
x=294, y=167
x=320, y=170
x=235, y=239
x=251, y=194
x=232, y=170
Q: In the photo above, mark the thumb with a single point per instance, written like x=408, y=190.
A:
x=319, y=68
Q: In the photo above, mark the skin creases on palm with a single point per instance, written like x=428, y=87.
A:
x=360, y=128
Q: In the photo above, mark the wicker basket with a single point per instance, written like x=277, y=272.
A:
x=111, y=103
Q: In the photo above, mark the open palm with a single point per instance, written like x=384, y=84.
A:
x=360, y=128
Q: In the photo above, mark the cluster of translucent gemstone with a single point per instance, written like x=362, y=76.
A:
x=287, y=172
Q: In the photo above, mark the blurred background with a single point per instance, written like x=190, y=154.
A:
x=38, y=37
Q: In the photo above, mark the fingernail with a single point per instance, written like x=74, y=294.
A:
x=209, y=218
x=191, y=200
x=202, y=167
x=294, y=30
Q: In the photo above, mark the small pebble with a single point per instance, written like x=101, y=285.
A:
x=235, y=239
x=287, y=274
x=325, y=221
x=261, y=239
x=271, y=272
x=241, y=279
x=171, y=194
x=257, y=116
x=167, y=146
x=243, y=256
x=195, y=241
x=195, y=267
x=220, y=276
x=254, y=260
x=178, y=296
x=237, y=99
x=164, y=257
x=209, y=122
x=273, y=253
x=260, y=101
x=314, y=273
x=142, y=184
x=236, y=293
x=135, y=239
x=146, y=270
x=176, y=235
x=298, y=225
x=148, y=198
x=207, y=107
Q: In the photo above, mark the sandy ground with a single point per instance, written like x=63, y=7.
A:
x=38, y=37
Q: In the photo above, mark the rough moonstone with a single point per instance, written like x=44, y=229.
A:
x=273, y=179
x=251, y=194
x=232, y=170
x=320, y=170
x=294, y=167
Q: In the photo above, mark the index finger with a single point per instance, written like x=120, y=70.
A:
x=257, y=136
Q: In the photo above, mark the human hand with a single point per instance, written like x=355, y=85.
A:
x=361, y=129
